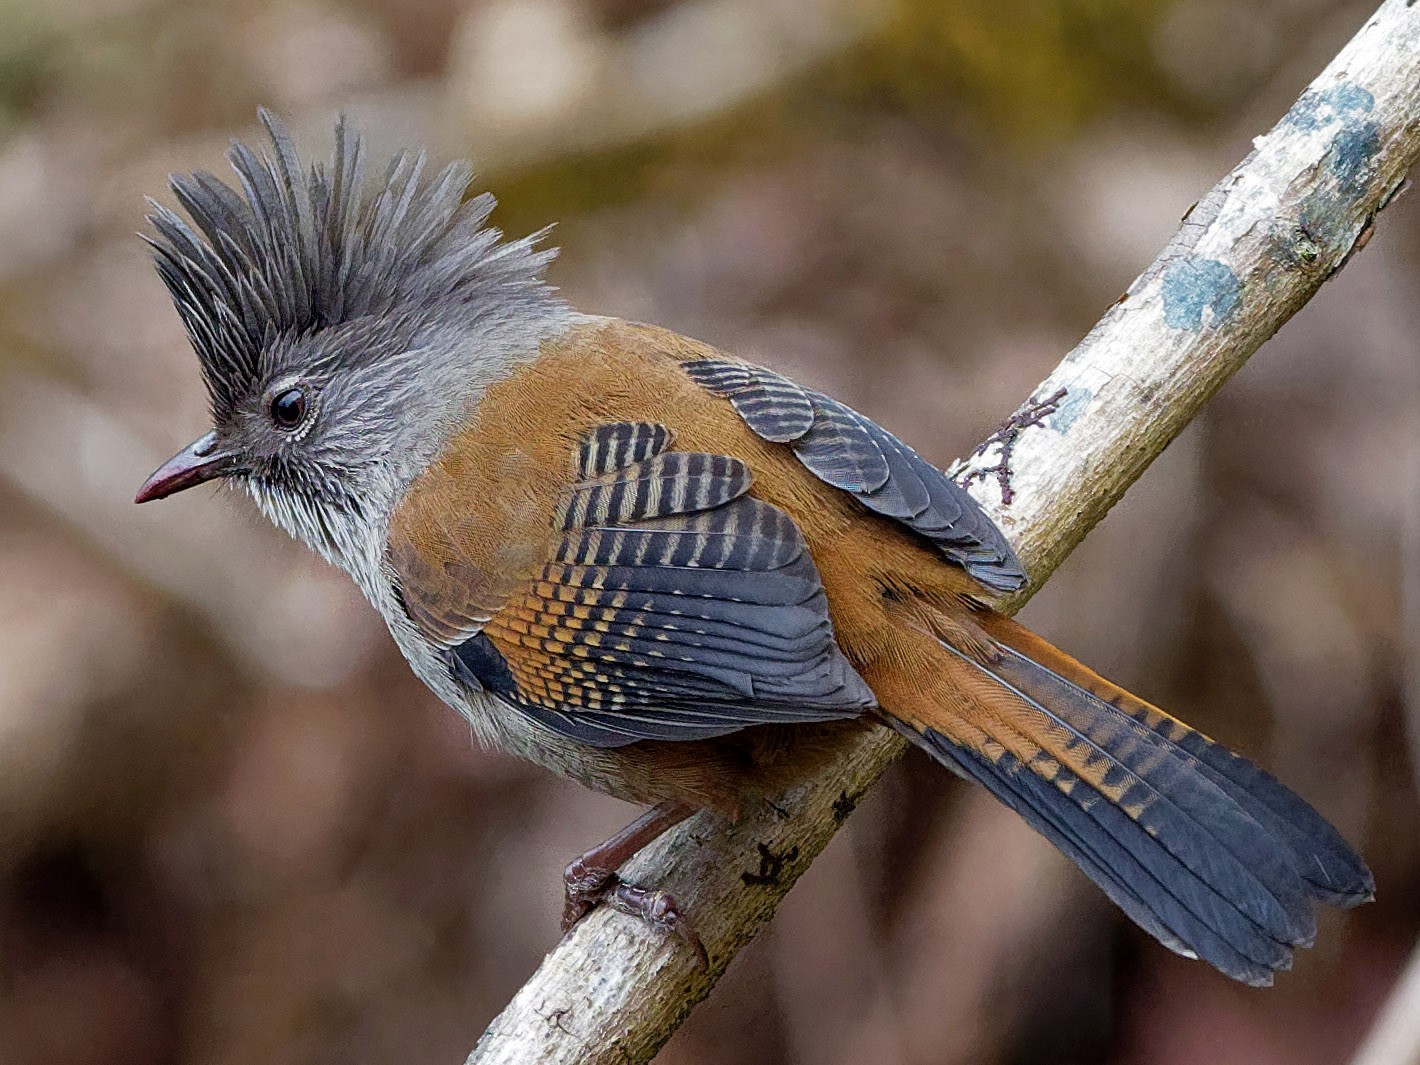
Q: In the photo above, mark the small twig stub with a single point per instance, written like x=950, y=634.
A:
x=771, y=865
x=1032, y=412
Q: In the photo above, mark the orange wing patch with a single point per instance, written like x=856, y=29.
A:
x=664, y=602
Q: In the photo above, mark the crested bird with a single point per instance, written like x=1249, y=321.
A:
x=667, y=573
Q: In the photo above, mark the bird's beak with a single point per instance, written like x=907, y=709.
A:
x=200, y=461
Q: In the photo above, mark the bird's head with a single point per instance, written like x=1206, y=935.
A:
x=344, y=328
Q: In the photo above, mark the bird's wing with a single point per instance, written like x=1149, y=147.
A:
x=851, y=452
x=658, y=601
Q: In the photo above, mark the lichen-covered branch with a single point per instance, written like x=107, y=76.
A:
x=1247, y=257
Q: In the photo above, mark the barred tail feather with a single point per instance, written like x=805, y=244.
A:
x=1332, y=871
x=1202, y=849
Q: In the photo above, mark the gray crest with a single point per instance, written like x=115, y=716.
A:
x=294, y=250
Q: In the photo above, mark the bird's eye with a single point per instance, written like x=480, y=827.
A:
x=288, y=408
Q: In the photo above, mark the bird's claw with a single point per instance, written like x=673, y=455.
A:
x=660, y=910
x=585, y=887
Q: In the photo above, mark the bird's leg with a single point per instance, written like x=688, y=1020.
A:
x=591, y=878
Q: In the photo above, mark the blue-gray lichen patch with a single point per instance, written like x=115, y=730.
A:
x=1349, y=162
x=1354, y=146
x=1071, y=407
x=1191, y=286
x=1353, y=150
x=1340, y=103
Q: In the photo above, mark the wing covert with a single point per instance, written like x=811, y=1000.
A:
x=671, y=605
x=853, y=453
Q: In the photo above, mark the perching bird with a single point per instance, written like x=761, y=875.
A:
x=671, y=575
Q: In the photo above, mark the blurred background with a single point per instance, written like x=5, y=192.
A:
x=233, y=828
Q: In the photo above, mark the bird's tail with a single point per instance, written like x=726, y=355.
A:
x=1204, y=850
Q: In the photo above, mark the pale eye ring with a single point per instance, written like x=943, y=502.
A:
x=288, y=408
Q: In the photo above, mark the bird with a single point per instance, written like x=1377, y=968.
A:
x=669, y=574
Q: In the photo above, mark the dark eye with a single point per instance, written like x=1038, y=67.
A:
x=288, y=408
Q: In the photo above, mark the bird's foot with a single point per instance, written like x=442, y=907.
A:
x=586, y=886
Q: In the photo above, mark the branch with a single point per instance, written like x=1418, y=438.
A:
x=1394, y=1038
x=1247, y=257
